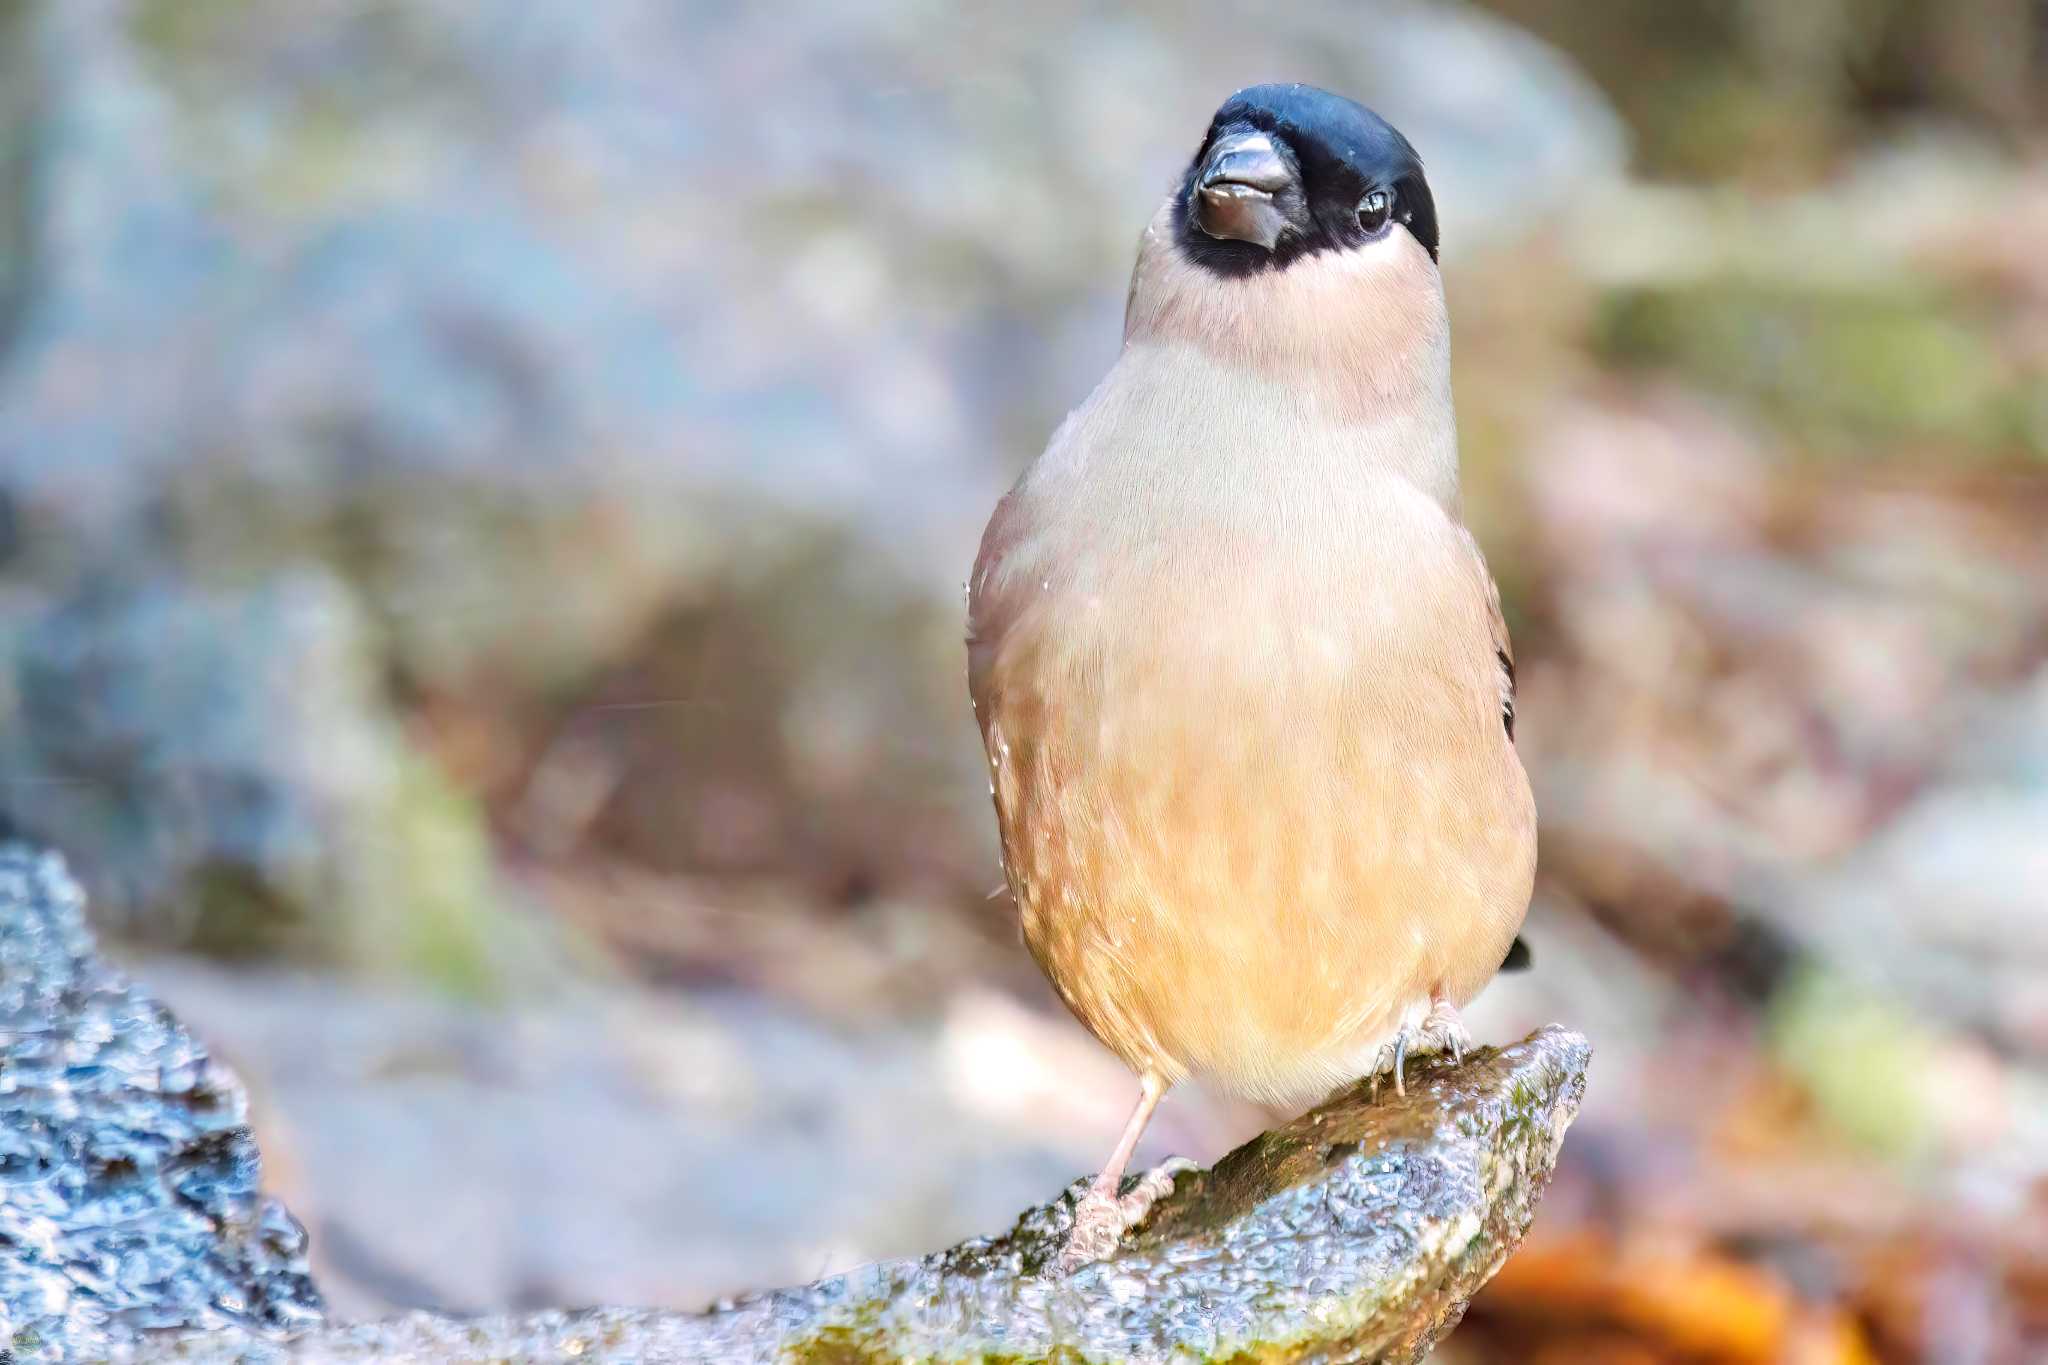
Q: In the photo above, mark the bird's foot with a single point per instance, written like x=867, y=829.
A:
x=1101, y=1219
x=1440, y=1031
x=1151, y=1187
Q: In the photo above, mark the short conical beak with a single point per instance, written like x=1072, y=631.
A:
x=1234, y=193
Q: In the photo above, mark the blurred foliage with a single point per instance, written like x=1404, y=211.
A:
x=1892, y=372
x=1858, y=1055
x=19, y=89
x=1775, y=93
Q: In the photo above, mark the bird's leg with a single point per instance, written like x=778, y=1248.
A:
x=1443, y=1031
x=1103, y=1214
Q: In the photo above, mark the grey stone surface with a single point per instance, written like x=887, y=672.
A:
x=130, y=1194
x=1357, y=1232
x=133, y=1226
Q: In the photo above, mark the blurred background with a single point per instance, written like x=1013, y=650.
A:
x=485, y=490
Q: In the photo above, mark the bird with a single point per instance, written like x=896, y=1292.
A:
x=1239, y=667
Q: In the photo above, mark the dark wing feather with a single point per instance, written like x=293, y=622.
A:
x=1519, y=958
x=1503, y=649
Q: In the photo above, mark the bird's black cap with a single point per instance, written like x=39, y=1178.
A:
x=1338, y=151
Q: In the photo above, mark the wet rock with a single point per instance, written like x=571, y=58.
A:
x=129, y=1182
x=1359, y=1230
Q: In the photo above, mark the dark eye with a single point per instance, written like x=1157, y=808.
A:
x=1373, y=210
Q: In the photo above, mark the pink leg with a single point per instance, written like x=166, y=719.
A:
x=1101, y=1216
x=1150, y=1091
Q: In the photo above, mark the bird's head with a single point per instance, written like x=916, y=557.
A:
x=1288, y=171
x=1301, y=243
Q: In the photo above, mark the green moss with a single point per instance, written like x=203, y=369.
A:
x=331, y=131
x=441, y=851
x=21, y=96
x=853, y=1346
x=838, y=1346
x=177, y=30
x=1718, y=123
x=1856, y=1055
x=1842, y=373
x=236, y=914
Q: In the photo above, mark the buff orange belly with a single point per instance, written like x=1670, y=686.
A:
x=1254, y=866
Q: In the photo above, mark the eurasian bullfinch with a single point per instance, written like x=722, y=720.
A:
x=1239, y=667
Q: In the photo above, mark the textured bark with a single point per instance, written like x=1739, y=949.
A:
x=1357, y=1232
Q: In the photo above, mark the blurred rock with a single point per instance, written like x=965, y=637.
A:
x=130, y=1195
x=518, y=242
x=221, y=761
x=1944, y=906
x=801, y=714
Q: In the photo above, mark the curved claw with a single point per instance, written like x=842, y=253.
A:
x=1393, y=1057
